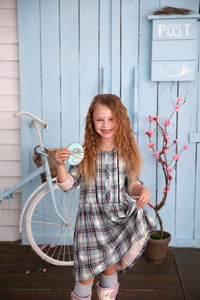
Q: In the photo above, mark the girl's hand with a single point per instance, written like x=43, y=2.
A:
x=144, y=197
x=61, y=155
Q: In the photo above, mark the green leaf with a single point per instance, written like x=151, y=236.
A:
x=156, y=237
x=39, y=270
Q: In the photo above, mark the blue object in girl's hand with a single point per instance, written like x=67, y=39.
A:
x=76, y=153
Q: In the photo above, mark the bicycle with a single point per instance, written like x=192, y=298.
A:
x=49, y=213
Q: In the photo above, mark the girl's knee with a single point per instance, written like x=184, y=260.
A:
x=111, y=270
x=88, y=281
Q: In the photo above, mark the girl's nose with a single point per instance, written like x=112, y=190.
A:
x=105, y=123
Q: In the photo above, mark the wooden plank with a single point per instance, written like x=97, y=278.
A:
x=88, y=57
x=129, y=51
x=9, y=103
x=8, y=4
x=10, y=152
x=8, y=35
x=10, y=217
x=9, y=168
x=197, y=188
x=188, y=264
x=105, y=47
x=167, y=94
x=140, y=282
x=115, y=47
x=9, y=69
x=147, y=97
x=15, y=202
x=10, y=137
x=10, y=233
x=29, y=31
x=69, y=39
x=7, y=121
x=185, y=179
x=7, y=182
x=194, y=137
x=9, y=52
x=9, y=86
x=50, y=71
x=192, y=5
x=8, y=17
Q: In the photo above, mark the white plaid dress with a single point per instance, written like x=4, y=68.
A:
x=109, y=226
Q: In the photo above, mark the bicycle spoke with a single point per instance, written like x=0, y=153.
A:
x=49, y=237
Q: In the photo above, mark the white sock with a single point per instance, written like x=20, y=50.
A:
x=82, y=290
x=108, y=280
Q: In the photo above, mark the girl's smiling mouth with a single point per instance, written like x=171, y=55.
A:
x=106, y=130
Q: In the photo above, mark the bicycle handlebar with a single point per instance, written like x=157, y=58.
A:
x=34, y=118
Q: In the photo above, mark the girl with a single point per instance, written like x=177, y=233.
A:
x=111, y=228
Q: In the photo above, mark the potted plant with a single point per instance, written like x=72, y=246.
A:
x=159, y=240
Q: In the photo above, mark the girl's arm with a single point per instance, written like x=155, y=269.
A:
x=61, y=155
x=143, y=193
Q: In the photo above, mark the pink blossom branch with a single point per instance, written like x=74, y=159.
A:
x=162, y=156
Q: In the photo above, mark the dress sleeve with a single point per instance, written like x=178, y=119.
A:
x=72, y=181
x=129, y=186
x=67, y=184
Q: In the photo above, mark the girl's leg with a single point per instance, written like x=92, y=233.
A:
x=109, y=277
x=82, y=290
x=108, y=287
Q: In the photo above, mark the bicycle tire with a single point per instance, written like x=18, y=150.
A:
x=48, y=236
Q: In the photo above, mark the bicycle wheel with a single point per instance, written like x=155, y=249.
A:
x=49, y=237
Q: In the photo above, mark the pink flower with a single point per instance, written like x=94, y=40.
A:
x=166, y=189
x=27, y=272
x=44, y=270
x=42, y=247
x=151, y=145
x=176, y=142
x=170, y=177
x=165, y=133
x=165, y=149
x=149, y=132
x=155, y=118
x=169, y=170
x=178, y=100
x=166, y=123
x=52, y=246
x=186, y=147
x=150, y=119
x=176, y=156
x=156, y=154
x=176, y=107
x=167, y=139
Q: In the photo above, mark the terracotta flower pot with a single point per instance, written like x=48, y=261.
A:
x=156, y=250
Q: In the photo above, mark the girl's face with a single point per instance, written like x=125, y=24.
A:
x=105, y=122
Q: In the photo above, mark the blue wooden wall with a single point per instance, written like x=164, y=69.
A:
x=71, y=50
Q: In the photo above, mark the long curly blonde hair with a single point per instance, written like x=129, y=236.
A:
x=124, y=140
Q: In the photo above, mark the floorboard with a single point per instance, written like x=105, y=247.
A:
x=177, y=278
x=188, y=265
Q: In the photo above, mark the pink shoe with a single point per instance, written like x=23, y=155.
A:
x=107, y=293
x=74, y=297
